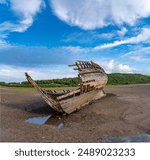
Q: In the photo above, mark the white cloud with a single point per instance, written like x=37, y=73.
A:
x=2, y=42
x=139, y=55
x=143, y=37
x=122, y=66
x=122, y=32
x=9, y=73
x=112, y=66
x=115, y=67
x=91, y=14
x=11, y=27
x=26, y=10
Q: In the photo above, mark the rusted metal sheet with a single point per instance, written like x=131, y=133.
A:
x=92, y=81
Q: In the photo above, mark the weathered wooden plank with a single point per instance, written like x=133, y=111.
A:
x=95, y=84
x=72, y=65
x=75, y=103
x=75, y=68
x=79, y=68
x=89, y=71
x=68, y=94
x=93, y=77
x=48, y=98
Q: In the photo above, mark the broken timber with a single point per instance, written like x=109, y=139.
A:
x=92, y=81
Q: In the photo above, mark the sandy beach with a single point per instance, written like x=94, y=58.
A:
x=125, y=111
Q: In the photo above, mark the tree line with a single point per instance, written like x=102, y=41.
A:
x=113, y=79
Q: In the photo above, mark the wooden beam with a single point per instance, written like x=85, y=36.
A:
x=79, y=68
x=71, y=65
x=95, y=71
x=75, y=68
x=68, y=94
x=47, y=97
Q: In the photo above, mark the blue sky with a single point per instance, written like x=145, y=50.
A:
x=43, y=36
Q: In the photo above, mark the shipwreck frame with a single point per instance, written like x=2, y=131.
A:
x=92, y=81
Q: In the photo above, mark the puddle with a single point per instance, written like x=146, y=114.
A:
x=137, y=138
x=38, y=120
x=110, y=94
x=49, y=120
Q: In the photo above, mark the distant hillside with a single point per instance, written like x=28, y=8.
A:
x=113, y=79
x=118, y=78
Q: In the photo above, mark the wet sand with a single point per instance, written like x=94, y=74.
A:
x=124, y=112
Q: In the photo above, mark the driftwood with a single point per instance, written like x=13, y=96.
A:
x=92, y=81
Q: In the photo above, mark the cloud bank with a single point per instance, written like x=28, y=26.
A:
x=113, y=66
x=9, y=73
x=139, y=55
x=143, y=37
x=92, y=14
x=25, y=11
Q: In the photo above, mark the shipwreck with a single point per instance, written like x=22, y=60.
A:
x=92, y=81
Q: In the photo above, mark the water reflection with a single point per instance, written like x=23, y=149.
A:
x=49, y=120
x=38, y=120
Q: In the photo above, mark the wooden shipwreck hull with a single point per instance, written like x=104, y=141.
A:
x=92, y=81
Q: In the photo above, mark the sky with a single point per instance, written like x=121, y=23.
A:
x=42, y=37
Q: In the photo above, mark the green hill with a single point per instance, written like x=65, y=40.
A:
x=117, y=78
x=113, y=79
